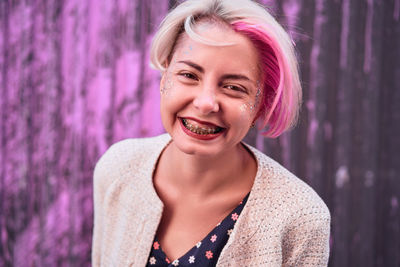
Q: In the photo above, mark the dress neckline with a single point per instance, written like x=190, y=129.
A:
x=205, y=251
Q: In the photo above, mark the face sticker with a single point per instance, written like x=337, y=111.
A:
x=188, y=51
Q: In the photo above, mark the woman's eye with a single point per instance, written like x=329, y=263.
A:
x=188, y=75
x=236, y=88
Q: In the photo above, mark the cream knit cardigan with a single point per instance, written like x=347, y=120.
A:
x=284, y=222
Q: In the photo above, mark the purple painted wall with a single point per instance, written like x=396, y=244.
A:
x=75, y=78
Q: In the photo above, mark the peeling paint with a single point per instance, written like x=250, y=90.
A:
x=394, y=202
x=344, y=35
x=342, y=176
x=396, y=10
x=328, y=131
x=368, y=37
x=369, y=178
x=291, y=9
x=312, y=132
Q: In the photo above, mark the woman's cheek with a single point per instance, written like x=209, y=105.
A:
x=167, y=88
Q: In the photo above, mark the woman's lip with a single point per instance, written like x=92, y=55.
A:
x=200, y=136
x=201, y=122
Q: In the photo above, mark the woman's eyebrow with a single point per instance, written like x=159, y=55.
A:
x=193, y=65
x=224, y=77
x=239, y=77
x=235, y=77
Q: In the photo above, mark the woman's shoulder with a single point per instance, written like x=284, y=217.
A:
x=127, y=155
x=126, y=150
x=286, y=191
x=292, y=213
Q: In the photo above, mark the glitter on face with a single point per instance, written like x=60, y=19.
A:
x=187, y=52
x=243, y=107
x=247, y=109
x=258, y=94
x=251, y=106
x=168, y=84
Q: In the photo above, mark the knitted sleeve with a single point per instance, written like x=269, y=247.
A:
x=306, y=242
x=103, y=176
x=98, y=197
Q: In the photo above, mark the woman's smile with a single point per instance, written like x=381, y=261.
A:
x=200, y=128
x=200, y=131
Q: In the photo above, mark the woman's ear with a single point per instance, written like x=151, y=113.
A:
x=254, y=123
x=162, y=79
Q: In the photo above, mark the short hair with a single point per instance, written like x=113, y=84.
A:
x=281, y=94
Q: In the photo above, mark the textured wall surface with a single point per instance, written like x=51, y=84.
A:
x=75, y=78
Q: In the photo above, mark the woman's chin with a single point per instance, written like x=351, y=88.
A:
x=195, y=149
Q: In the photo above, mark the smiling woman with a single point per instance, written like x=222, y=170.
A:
x=215, y=98
x=198, y=196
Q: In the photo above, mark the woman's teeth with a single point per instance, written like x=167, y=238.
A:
x=201, y=129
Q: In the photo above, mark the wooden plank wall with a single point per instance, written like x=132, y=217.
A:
x=75, y=78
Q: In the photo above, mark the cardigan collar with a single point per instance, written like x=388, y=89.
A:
x=246, y=226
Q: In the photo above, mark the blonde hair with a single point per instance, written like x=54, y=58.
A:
x=281, y=104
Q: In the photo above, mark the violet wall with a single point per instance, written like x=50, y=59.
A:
x=75, y=78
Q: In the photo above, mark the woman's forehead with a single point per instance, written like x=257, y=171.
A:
x=201, y=32
x=239, y=55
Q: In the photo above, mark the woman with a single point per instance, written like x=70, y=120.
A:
x=198, y=196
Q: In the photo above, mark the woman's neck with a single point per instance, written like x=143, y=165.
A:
x=203, y=176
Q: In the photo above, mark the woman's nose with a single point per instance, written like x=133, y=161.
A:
x=206, y=101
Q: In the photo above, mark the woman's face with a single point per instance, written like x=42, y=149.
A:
x=210, y=94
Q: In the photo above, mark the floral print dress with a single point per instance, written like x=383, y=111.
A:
x=205, y=252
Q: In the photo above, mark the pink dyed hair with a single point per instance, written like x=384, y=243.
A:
x=276, y=108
